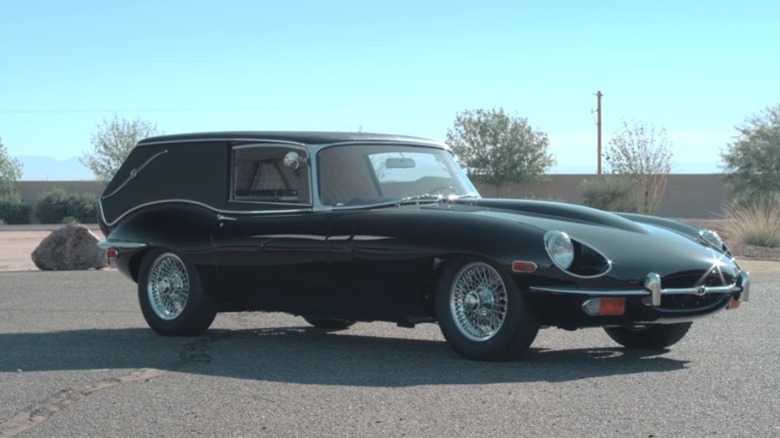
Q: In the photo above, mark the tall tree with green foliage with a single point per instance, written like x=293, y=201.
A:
x=640, y=151
x=10, y=173
x=495, y=147
x=752, y=161
x=112, y=143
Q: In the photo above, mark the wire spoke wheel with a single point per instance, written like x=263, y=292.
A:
x=168, y=286
x=481, y=311
x=478, y=301
x=172, y=296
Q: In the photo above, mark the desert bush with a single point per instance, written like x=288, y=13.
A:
x=643, y=153
x=756, y=222
x=58, y=205
x=610, y=192
x=14, y=212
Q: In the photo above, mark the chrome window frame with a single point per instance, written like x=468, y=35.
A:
x=232, y=174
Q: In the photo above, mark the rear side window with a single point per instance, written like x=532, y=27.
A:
x=271, y=174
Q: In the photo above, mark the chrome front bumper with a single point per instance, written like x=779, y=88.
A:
x=652, y=292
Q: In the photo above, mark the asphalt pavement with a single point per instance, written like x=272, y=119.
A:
x=77, y=359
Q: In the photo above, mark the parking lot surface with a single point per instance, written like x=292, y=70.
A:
x=77, y=359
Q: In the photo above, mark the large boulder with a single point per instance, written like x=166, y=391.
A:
x=70, y=248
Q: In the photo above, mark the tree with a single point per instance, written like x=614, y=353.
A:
x=640, y=151
x=10, y=173
x=752, y=162
x=496, y=148
x=112, y=143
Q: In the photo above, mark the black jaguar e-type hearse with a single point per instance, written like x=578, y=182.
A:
x=345, y=227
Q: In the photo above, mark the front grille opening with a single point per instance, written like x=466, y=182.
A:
x=690, y=279
x=689, y=301
x=694, y=279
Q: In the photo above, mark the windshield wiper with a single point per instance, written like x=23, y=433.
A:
x=434, y=197
x=418, y=198
x=423, y=198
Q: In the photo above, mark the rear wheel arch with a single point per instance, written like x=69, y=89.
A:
x=172, y=294
x=136, y=261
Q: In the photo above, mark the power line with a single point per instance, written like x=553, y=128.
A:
x=205, y=109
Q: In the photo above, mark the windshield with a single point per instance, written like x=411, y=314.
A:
x=370, y=174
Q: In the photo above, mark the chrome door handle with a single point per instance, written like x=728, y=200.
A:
x=225, y=218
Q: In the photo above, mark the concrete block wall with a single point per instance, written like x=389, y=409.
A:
x=687, y=195
x=700, y=196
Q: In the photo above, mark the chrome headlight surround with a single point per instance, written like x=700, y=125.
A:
x=560, y=248
x=712, y=239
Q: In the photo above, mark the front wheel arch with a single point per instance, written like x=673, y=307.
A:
x=481, y=311
x=652, y=337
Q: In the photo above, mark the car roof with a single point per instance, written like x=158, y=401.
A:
x=302, y=137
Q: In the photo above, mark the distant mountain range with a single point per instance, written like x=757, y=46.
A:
x=37, y=168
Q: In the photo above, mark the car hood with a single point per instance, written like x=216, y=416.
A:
x=634, y=248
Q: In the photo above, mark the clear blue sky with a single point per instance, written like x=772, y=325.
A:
x=696, y=68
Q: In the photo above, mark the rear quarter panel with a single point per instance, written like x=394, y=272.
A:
x=195, y=172
x=180, y=227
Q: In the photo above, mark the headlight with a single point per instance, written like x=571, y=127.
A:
x=560, y=248
x=712, y=239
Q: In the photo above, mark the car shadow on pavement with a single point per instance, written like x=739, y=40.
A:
x=306, y=355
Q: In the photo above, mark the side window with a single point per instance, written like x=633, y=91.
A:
x=270, y=174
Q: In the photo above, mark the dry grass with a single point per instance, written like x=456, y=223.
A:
x=756, y=223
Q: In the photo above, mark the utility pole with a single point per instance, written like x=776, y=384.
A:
x=598, y=128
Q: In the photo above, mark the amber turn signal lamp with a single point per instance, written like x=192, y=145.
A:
x=734, y=304
x=604, y=306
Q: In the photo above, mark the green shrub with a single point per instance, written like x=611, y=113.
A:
x=58, y=205
x=15, y=212
x=756, y=222
x=610, y=192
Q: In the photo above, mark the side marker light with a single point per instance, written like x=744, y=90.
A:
x=523, y=267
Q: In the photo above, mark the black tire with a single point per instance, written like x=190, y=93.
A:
x=330, y=324
x=652, y=337
x=171, y=295
x=481, y=312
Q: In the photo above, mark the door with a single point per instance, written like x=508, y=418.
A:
x=269, y=246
